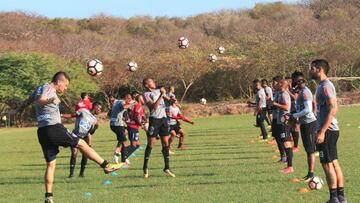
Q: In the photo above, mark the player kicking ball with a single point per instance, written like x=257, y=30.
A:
x=85, y=127
x=52, y=134
x=175, y=115
x=158, y=124
x=328, y=130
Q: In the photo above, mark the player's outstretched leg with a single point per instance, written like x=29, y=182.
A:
x=150, y=144
x=181, y=144
x=49, y=180
x=165, y=152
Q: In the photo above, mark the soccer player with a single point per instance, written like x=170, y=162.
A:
x=85, y=127
x=175, y=115
x=327, y=130
x=260, y=107
x=136, y=120
x=52, y=134
x=84, y=102
x=284, y=105
x=158, y=124
x=295, y=128
x=275, y=127
x=307, y=119
x=269, y=97
x=117, y=125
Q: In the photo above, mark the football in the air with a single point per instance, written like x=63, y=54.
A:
x=94, y=67
x=203, y=101
x=316, y=183
x=183, y=42
x=220, y=50
x=132, y=66
x=212, y=58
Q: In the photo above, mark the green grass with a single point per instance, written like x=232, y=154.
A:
x=219, y=165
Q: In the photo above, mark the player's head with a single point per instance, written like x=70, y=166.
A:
x=283, y=85
x=139, y=99
x=264, y=83
x=257, y=84
x=96, y=108
x=298, y=79
x=275, y=82
x=149, y=83
x=172, y=89
x=134, y=94
x=61, y=81
x=172, y=102
x=84, y=95
x=289, y=81
x=318, y=68
x=111, y=98
x=127, y=98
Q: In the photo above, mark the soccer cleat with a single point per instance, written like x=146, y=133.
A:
x=169, y=173
x=49, y=200
x=146, y=173
x=296, y=149
x=81, y=175
x=288, y=170
x=127, y=161
x=112, y=167
x=333, y=200
x=171, y=152
x=342, y=199
x=116, y=157
x=262, y=141
x=70, y=176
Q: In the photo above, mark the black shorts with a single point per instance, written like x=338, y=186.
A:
x=284, y=133
x=52, y=136
x=158, y=127
x=274, y=128
x=133, y=134
x=120, y=132
x=308, y=134
x=175, y=128
x=327, y=150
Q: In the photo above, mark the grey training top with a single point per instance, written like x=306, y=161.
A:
x=84, y=123
x=269, y=92
x=48, y=114
x=150, y=98
x=117, y=113
x=261, y=98
x=303, y=99
x=324, y=92
x=284, y=98
x=275, y=110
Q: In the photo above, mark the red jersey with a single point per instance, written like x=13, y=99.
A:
x=136, y=116
x=83, y=104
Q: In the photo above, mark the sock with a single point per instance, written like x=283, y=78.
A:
x=165, y=152
x=123, y=153
x=104, y=164
x=289, y=156
x=83, y=165
x=72, y=165
x=310, y=174
x=333, y=193
x=280, y=146
x=49, y=194
x=131, y=149
x=340, y=191
x=147, y=156
x=295, y=137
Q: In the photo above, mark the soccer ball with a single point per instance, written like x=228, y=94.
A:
x=220, y=50
x=316, y=183
x=212, y=58
x=183, y=42
x=203, y=101
x=94, y=67
x=132, y=66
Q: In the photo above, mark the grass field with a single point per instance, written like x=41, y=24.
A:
x=219, y=165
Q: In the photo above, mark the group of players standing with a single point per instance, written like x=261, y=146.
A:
x=293, y=108
x=126, y=114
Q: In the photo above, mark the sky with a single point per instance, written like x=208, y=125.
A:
x=124, y=8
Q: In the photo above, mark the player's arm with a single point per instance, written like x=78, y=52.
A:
x=156, y=104
x=292, y=95
x=43, y=100
x=94, y=128
x=284, y=107
x=68, y=116
x=185, y=119
x=332, y=105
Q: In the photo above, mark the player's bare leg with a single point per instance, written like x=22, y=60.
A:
x=165, y=152
x=289, y=157
x=49, y=180
x=181, y=145
x=149, y=146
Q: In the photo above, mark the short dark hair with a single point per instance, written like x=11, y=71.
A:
x=83, y=95
x=256, y=81
x=95, y=103
x=126, y=95
x=134, y=93
x=145, y=81
x=57, y=75
x=321, y=63
x=297, y=74
x=264, y=81
x=137, y=97
x=288, y=78
x=277, y=78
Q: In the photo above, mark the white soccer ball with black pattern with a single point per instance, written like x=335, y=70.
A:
x=220, y=50
x=212, y=58
x=132, y=66
x=203, y=101
x=183, y=42
x=316, y=183
x=94, y=67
